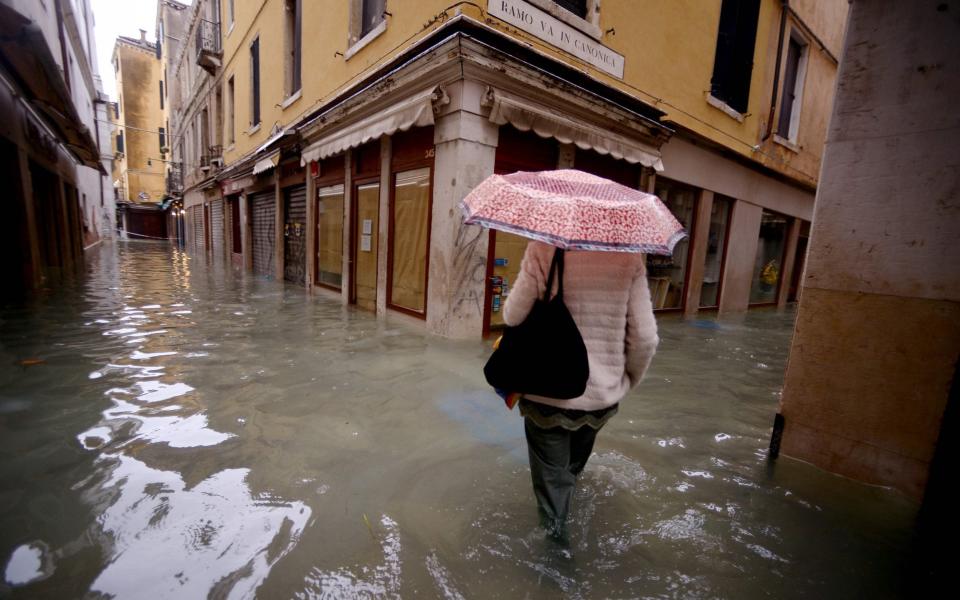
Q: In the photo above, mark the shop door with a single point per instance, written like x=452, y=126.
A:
x=365, y=242
x=517, y=151
x=262, y=225
x=216, y=228
x=295, y=234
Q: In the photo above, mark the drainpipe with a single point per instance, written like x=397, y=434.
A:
x=785, y=8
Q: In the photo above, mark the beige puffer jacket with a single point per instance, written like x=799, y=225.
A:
x=608, y=296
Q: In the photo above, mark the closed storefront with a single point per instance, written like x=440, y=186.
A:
x=216, y=229
x=262, y=231
x=295, y=234
x=410, y=204
x=196, y=224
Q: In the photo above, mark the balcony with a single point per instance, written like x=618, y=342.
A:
x=209, y=50
x=212, y=161
x=175, y=180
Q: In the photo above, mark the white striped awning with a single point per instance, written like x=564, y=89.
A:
x=415, y=111
x=265, y=164
x=526, y=115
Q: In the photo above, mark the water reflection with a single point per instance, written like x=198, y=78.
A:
x=212, y=539
x=192, y=431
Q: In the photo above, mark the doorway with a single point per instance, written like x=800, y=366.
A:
x=295, y=234
x=364, y=245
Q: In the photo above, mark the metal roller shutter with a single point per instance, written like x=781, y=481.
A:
x=216, y=228
x=196, y=214
x=262, y=216
x=295, y=234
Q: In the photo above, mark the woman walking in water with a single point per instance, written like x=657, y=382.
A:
x=608, y=297
x=606, y=229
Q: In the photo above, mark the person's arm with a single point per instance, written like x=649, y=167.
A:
x=641, y=338
x=529, y=285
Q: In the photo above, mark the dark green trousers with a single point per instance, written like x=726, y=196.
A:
x=557, y=456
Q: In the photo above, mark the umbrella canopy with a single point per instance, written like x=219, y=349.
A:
x=574, y=210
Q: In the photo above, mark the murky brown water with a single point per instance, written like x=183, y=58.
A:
x=192, y=432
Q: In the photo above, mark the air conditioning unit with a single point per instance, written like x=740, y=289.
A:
x=216, y=162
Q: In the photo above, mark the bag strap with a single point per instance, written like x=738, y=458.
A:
x=555, y=267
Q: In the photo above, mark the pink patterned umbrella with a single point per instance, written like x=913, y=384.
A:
x=574, y=210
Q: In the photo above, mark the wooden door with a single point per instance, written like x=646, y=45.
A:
x=365, y=243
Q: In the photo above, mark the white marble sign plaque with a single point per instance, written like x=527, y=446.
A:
x=548, y=28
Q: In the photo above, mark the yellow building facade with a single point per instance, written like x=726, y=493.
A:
x=340, y=111
x=140, y=120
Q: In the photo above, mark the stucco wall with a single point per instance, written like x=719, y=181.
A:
x=138, y=82
x=669, y=49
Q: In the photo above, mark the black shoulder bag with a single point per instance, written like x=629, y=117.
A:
x=544, y=355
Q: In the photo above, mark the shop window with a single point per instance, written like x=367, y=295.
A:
x=716, y=251
x=410, y=215
x=667, y=275
x=768, y=267
x=516, y=151
x=733, y=61
x=508, y=250
x=330, y=236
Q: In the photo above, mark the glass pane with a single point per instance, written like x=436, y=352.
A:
x=366, y=238
x=716, y=244
x=507, y=254
x=330, y=236
x=667, y=274
x=411, y=217
x=768, y=267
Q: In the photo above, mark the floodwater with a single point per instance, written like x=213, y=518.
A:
x=172, y=429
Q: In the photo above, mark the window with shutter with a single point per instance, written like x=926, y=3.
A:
x=733, y=62
x=255, y=78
